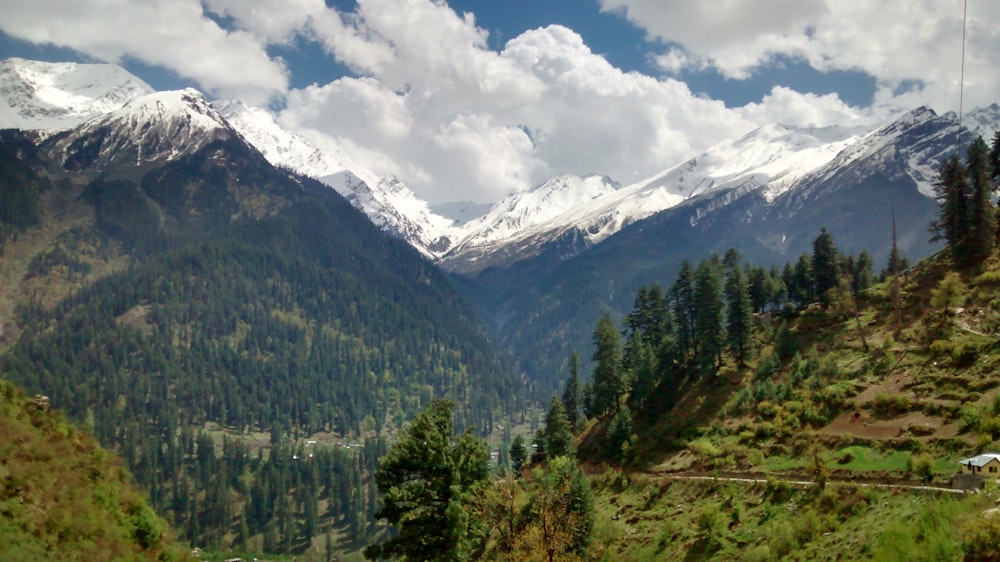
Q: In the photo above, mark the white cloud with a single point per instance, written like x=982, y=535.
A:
x=482, y=124
x=433, y=104
x=174, y=34
x=896, y=41
x=786, y=106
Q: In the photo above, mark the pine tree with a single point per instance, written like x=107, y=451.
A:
x=518, y=455
x=863, y=275
x=982, y=221
x=709, y=328
x=739, y=315
x=424, y=479
x=619, y=434
x=682, y=300
x=607, y=376
x=995, y=160
x=640, y=364
x=952, y=221
x=571, y=394
x=558, y=435
x=801, y=291
x=825, y=273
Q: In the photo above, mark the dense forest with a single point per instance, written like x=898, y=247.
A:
x=219, y=292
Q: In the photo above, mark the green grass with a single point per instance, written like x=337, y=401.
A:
x=866, y=459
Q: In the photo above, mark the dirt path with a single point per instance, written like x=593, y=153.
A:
x=760, y=478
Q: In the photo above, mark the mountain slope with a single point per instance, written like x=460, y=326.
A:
x=536, y=302
x=150, y=129
x=42, y=95
x=195, y=289
x=62, y=496
x=772, y=157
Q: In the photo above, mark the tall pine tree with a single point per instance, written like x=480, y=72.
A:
x=739, y=315
x=709, y=328
x=825, y=272
x=982, y=220
x=571, y=394
x=609, y=384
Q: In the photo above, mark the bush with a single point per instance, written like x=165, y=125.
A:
x=886, y=405
x=921, y=466
x=703, y=447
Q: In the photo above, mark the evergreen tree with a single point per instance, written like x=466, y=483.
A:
x=739, y=315
x=619, y=435
x=558, y=435
x=825, y=272
x=759, y=290
x=709, y=328
x=995, y=160
x=649, y=315
x=952, y=221
x=788, y=279
x=640, y=364
x=862, y=276
x=518, y=455
x=776, y=287
x=682, y=300
x=571, y=394
x=983, y=220
x=608, y=380
x=425, y=479
x=800, y=282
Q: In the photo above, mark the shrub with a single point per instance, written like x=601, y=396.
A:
x=921, y=466
x=703, y=447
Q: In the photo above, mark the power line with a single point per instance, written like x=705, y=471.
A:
x=961, y=82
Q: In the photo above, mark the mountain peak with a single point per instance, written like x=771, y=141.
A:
x=156, y=127
x=46, y=95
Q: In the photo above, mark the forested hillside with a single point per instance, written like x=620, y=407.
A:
x=64, y=497
x=218, y=290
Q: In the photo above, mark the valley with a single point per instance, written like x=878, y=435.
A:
x=253, y=324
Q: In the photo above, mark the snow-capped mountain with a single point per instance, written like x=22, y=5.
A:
x=283, y=147
x=385, y=200
x=983, y=121
x=45, y=95
x=770, y=158
x=396, y=210
x=115, y=113
x=913, y=144
x=152, y=128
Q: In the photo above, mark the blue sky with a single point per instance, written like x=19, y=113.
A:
x=473, y=99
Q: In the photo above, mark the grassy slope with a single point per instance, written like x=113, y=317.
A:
x=64, y=497
x=923, y=395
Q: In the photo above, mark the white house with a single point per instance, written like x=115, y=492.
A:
x=986, y=464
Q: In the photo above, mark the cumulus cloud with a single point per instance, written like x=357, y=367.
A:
x=899, y=42
x=173, y=34
x=431, y=102
x=482, y=124
x=786, y=106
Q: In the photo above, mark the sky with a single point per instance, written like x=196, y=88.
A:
x=475, y=99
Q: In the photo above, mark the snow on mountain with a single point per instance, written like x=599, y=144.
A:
x=461, y=212
x=45, y=95
x=156, y=127
x=396, y=210
x=770, y=158
x=983, y=121
x=385, y=200
x=520, y=212
x=913, y=144
x=282, y=147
